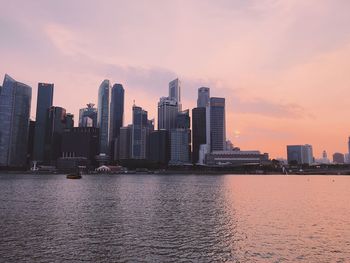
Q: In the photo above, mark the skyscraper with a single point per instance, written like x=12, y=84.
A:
x=88, y=116
x=116, y=113
x=180, y=139
x=15, y=102
x=44, y=102
x=203, y=97
x=198, y=131
x=175, y=91
x=139, y=133
x=216, y=126
x=167, y=112
x=103, y=116
x=57, y=120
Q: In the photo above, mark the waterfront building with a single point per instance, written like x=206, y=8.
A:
x=167, y=112
x=116, y=116
x=88, y=116
x=53, y=137
x=338, y=158
x=301, y=154
x=216, y=126
x=103, y=116
x=203, y=97
x=124, y=143
x=15, y=102
x=159, y=147
x=44, y=102
x=80, y=142
x=175, y=92
x=198, y=131
x=236, y=157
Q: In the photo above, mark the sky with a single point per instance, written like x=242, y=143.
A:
x=283, y=66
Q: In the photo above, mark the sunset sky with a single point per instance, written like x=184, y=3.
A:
x=282, y=65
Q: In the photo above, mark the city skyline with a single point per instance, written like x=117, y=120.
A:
x=284, y=83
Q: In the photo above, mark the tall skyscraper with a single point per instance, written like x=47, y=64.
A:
x=103, y=116
x=167, y=112
x=139, y=133
x=216, y=124
x=203, y=97
x=88, y=116
x=44, y=102
x=117, y=113
x=198, y=131
x=15, y=102
x=57, y=120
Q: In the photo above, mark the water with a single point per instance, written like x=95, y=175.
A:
x=182, y=218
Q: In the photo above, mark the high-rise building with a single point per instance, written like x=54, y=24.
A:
x=198, y=131
x=300, y=154
x=175, y=91
x=53, y=137
x=203, y=97
x=117, y=115
x=338, y=158
x=88, y=116
x=216, y=126
x=15, y=102
x=103, y=116
x=159, y=147
x=124, y=143
x=179, y=153
x=167, y=112
x=139, y=133
x=44, y=102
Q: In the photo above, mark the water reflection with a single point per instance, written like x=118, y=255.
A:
x=147, y=218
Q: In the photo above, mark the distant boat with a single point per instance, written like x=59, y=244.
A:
x=73, y=176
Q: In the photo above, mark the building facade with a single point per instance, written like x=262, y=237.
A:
x=216, y=124
x=300, y=154
x=179, y=147
x=198, y=131
x=103, y=116
x=139, y=133
x=167, y=112
x=116, y=116
x=175, y=92
x=15, y=102
x=124, y=143
x=44, y=102
x=159, y=147
x=53, y=137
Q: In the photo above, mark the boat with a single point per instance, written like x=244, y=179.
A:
x=73, y=176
